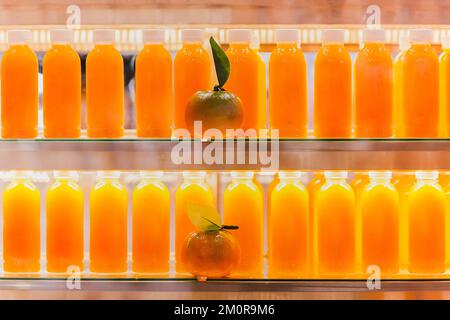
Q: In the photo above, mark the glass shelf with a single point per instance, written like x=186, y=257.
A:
x=293, y=154
x=233, y=289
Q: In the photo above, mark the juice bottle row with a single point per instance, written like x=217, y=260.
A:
x=374, y=98
x=322, y=226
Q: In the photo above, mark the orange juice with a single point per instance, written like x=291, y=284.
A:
x=151, y=225
x=65, y=223
x=335, y=217
x=379, y=223
x=62, y=89
x=244, y=76
x=404, y=183
x=373, y=87
x=421, y=87
x=21, y=225
x=426, y=210
x=195, y=190
x=108, y=223
x=243, y=206
x=272, y=185
x=288, y=86
x=19, y=78
x=444, y=181
x=444, y=87
x=154, y=87
x=333, y=88
x=313, y=186
x=192, y=73
x=398, y=86
x=359, y=182
x=104, y=88
x=289, y=228
x=262, y=89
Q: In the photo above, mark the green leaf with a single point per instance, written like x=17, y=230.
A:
x=204, y=218
x=221, y=62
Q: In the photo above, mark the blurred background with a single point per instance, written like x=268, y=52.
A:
x=223, y=12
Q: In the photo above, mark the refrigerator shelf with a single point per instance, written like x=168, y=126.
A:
x=162, y=154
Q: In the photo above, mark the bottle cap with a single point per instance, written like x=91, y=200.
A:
x=192, y=35
x=242, y=174
x=287, y=36
x=108, y=174
x=104, y=36
x=21, y=174
x=333, y=36
x=446, y=42
x=194, y=174
x=19, y=36
x=427, y=175
x=336, y=174
x=153, y=35
x=374, y=35
x=72, y=175
x=384, y=175
x=290, y=174
x=61, y=36
x=239, y=36
x=421, y=36
x=404, y=42
x=151, y=174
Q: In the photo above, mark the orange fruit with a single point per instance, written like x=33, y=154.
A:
x=216, y=110
x=210, y=254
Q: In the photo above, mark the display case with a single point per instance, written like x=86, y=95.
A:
x=127, y=164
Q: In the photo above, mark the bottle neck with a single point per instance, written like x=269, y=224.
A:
x=336, y=180
x=286, y=45
x=422, y=45
x=108, y=176
x=333, y=45
x=426, y=180
x=373, y=45
x=379, y=180
x=240, y=45
x=151, y=45
x=192, y=45
x=290, y=179
x=104, y=45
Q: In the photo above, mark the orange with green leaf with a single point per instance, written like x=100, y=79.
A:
x=217, y=108
x=212, y=251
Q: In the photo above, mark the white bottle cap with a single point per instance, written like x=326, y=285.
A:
x=239, y=36
x=336, y=174
x=287, y=36
x=108, y=174
x=242, y=174
x=194, y=174
x=383, y=175
x=192, y=35
x=71, y=175
x=446, y=42
x=21, y=174
x=374, y=35
x=333, y=36
x=421, y=36
x=19, y=36
x=153, y=36
x=151, y=174
x=403, y=42
x=427, y=175
x=104, y=36
x=61, y=36
x=290, y=174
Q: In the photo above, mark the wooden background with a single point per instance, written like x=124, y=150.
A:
x=13, y=12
